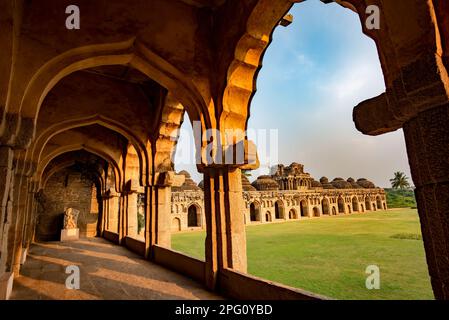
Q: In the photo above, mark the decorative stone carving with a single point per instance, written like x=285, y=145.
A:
x=71, y=218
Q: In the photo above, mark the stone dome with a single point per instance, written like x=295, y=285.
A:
x=246, y=185
x=354, y=184
x=365, y=183
x=316, y=184
x=340, y=183
x=188, y=185
x=265, y=183
x=324, y=181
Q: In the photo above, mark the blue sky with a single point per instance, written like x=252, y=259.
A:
x=314, y=72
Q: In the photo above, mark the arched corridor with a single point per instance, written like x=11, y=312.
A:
x=90, y=121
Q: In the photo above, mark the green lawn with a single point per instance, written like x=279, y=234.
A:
x=329, y=255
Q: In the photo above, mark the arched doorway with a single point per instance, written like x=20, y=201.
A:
x=316, y=212
x=292, y=215
x=192, y=216
x=349, y=209
x=304, y=208
x=341, y=205
x=325, y=206
x=279, y=210
x=379, y=202
x=334, y=211
x=367, y=204
x=355, y=204
x=176, y=225
x=268, y=216
x=254, y=212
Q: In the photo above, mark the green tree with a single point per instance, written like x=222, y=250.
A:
x=400, y=182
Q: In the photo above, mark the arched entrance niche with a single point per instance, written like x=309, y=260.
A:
x=193, y=216
x=279, y=210
x=341, y=205
x=355, y=204
x=325, y=207
x=254, y=212
x=304, y=208
x=368, y=204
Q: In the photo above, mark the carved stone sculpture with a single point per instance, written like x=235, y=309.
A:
x=71, y=218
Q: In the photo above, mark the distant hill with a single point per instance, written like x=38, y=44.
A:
x=400, y=199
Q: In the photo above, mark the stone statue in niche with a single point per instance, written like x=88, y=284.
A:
x=71, y=218
x=70, y=231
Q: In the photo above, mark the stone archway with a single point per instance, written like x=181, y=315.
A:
x=379, y=202
x=341, y=205
x=368, y=204
x=279, y=210
x=176, y=225
x=254, y=212
x=325, y=207
x=316, y=212
x=304, y=208
x=355, y=204
x=268, y=217
x=293, y=215
x=193, y=216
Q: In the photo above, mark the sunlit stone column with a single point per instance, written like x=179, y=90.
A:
x=427, y=139
x=226, y=236
x=131, y=214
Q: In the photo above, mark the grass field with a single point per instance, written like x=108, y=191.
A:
x=329, y=255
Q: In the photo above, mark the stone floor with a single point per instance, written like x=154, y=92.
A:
x=107, y=272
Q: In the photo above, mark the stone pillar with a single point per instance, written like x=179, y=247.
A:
x=158, y=211
x=6, y=194
x=131, y=214
x=427, y=139
x=150, y=227
x=226, y=235
x=121, y=218
x=113, y=207
x=17, y=223
x=163, y=226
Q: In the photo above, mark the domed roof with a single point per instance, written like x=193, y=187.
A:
x=184, y=173
x=365, y=183
x=316, y=184
x=324, y=180
x=354, y=184
x=188, y=185
x=325, y=183
x=265, y=183
x=246, y=185
x=340, y=183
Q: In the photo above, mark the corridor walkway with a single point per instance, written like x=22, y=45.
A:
x=107, y=271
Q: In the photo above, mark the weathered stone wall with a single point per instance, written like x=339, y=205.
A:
x=67, y=188
x=291, y=205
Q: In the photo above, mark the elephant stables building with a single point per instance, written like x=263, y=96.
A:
x=289, y=194
x=89, y=111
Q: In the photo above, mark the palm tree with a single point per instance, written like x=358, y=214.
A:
x=400, y=181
